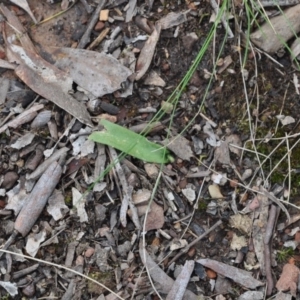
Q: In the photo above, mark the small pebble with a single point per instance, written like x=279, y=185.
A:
x=29, y=290
x=89, y=252
x=211, y=274
x=79, y=260
x=9, y=180
x=233, y=183
x=99, y=26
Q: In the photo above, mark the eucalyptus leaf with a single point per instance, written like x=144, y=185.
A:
x=130, y=143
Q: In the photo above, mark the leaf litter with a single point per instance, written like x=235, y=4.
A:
x=95, y=216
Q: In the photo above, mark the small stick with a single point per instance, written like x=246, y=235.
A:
x=127, y=191
x=186, y=249
x=224, y=21
x=86, y=37
x=24, y=272
x=268, y=269
x=99, y=39
x=270, y=224
x=267, y=248
x=278, y=202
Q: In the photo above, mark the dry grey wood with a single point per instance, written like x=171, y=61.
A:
x=266, y=3
x=23, y=118
x=272, y=35
x=38, y=199
x=160, y=277
x=215, y=7
x=267, y=248
x=70, y=253
x=278, y=202
x=24, y=272
x=295, y=50
x=199, y=238
x=181, y=282
x=86, y=37
x=70, y=292
x=270, y=224
x=43, y=167
x=147, y=52
x=127, y=191
x=239, y=276
x=14, y=22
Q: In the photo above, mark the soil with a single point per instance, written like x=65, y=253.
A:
x=101, y=247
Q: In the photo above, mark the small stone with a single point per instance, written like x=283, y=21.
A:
x=151, y=170
x=233, y=183
x=192, y=252
x=165, y=67
x=211, y=274
x=9, y=180
x=183, y=183
x=104, y=15
x=99, y=26
x=189, y=41
x=29, y=290
x=79, y=260
x=89, y=252
x=196, y=80
x=2, y=54
x=297, y=236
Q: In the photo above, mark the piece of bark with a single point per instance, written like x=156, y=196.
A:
x=38, y=199
x=259, y=229
x=160, y=277
x=181, y=282
x=23, y=118
x=295, y=50
x=14, y=22
x=146, y=55
x=239, y=276
x=47, y=81
x=86, y=37
x=288, y=279
x=45, y=165
x=127, y=193
x=272, y=35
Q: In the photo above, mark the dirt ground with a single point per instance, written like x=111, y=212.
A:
x=214, y=207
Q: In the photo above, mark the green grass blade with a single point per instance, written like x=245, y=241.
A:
x=130, y=143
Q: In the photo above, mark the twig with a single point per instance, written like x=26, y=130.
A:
x=127, y=191
x=99, y=39
x=215, y=7
x=186, y=249
x=86, y=37
x=25, y=271
x=267, y=248
x=270, y=224
x=63, y=268
x=278, y=202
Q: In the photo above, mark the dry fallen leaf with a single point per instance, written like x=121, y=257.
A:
x=238, y=242
x=145, y=58
x=79, y=203
x=23, y=4
x=214, y=191
x=97, y=73
x=241, y=277
x=155, y=217
x=56, y=205
x=160, y=278
x=180, y=146
x=48, y=81
x=288, y=279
